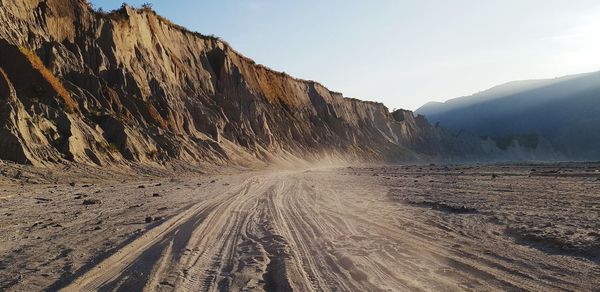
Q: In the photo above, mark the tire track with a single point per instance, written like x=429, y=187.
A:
x=130, y=267
x=315, y=231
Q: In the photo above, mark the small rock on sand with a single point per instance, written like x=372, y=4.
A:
x=91, y=202
x=79, y=196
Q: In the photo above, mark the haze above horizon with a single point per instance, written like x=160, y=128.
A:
x=401, y=53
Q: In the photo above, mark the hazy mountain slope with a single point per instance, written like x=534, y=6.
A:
x=76, y=85
x=565, y=111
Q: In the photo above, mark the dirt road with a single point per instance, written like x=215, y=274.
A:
x=324, y=231
x=409, y=228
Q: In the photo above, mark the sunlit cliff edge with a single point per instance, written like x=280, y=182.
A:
x=129, y=86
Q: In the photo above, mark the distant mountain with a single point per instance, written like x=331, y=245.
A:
x=564, y=111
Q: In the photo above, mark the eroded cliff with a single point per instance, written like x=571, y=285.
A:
x=76, y=85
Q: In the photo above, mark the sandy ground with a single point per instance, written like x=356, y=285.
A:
x=392, y=228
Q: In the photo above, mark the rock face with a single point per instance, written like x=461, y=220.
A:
x=130, y=86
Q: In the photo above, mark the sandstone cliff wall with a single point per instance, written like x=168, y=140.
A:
x=102, y=89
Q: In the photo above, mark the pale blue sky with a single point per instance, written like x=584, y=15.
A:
x=402, y=53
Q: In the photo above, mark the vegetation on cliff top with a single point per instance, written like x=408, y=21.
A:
x=121, y=14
